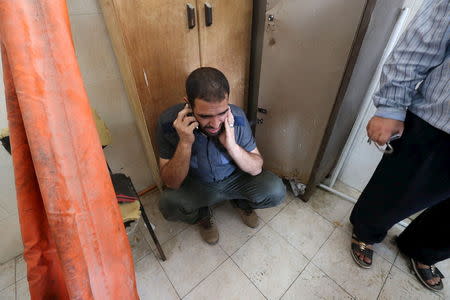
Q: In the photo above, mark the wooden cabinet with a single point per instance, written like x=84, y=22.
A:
x=226, y=44
x=156, y=50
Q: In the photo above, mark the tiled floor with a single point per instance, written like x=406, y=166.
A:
x=299, y=251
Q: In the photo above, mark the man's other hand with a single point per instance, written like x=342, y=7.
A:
x=227, y=136
x=185, y=125
x=381, y=129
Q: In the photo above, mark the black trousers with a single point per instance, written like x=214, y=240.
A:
x=415, y=177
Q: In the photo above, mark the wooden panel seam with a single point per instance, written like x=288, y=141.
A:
x=200, y=42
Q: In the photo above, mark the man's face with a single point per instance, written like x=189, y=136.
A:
x=211, y=115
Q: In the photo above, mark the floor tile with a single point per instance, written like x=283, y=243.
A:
x=314, y=284
x=21, y=268
x=349, y=191
x=152, y=282
x=270, y=262
x=232, y=231
x=444, y=267
x=190, y=259
x=268, y=213
x=139, y=245
x=387, y=248
x=266, y=262
x=164, y=230
x=7, y=274
x=401, y=286
x=334, y=258
x=302, y=227
x=11, y=243
x=226, y=282
x=331, y=207
x=9, y=293
x=151, y=198
x=345, y=222
x=402, y=262
x=22, y=291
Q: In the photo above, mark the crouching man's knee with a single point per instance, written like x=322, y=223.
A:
x=277, y=191
x=272, y=189
x=173, y=208
x=168, y=206
x=163, y=207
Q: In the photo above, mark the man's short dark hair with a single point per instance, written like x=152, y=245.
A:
x=208, y=84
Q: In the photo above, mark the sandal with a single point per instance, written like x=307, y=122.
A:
x=361, y=247
x=426, y=274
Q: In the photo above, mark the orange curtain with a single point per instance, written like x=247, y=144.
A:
x=75, y=244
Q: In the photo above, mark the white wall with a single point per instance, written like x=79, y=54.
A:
x=364, y=158
x=106, y=94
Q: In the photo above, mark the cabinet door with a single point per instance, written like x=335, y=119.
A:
x=162, y=51
x=305, y=51
x=225, y=44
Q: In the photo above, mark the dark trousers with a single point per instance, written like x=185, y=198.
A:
x=415, y=177
x=188, y=203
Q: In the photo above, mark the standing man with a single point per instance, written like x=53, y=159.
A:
x=414, y=101
x=208, y=155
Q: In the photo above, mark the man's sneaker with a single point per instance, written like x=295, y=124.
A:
x=208, y=230
x=249, y=217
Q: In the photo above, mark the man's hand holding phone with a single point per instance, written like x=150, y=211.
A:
x=185, y=123
x=382, y=130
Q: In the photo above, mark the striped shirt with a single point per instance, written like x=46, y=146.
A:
x=416, y=75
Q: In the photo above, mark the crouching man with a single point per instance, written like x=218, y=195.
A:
x=208, y=155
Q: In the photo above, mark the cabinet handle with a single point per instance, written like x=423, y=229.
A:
x=208, y=14
x=190, y=15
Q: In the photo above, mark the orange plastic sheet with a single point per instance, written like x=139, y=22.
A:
x=75, y=244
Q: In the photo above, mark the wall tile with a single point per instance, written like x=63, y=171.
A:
x=11, y=238
x=77, y=7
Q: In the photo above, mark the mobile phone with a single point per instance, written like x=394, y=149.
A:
x=395, y=137
x=191, y=114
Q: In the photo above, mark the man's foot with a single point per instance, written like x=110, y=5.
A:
x=362, y=253
x=208, y=230
x=249, y=217
x=429, y=276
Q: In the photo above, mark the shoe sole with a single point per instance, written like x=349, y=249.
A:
x=414, y=267
x=212, y=244
x=251, y=226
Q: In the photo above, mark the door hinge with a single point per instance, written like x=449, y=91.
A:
x=262, y=110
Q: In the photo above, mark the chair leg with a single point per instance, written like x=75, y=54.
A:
x=152, y=233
